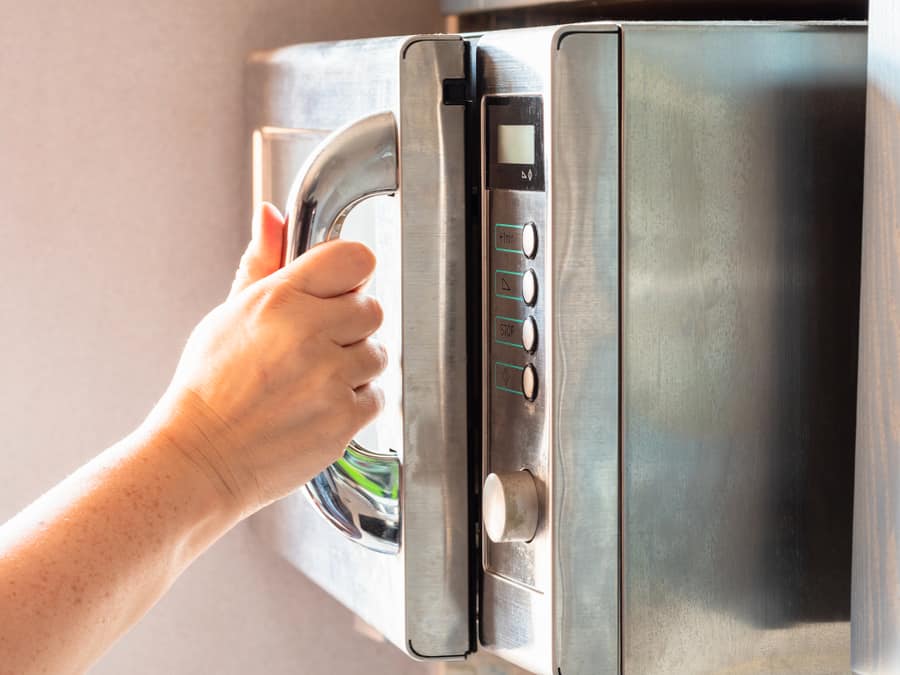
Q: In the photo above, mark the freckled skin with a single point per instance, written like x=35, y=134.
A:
x=83, y=563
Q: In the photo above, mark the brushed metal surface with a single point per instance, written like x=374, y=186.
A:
x=739, y=280
x=742, y=190
x=514, y=427
x=566, y=619
x=876, y=545
x=418, y=599
x=584, y=343
x=514, y=619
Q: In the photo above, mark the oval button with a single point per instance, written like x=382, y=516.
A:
x=529, y=382
x=529, y=287
x=529, y=240
x=529, y=334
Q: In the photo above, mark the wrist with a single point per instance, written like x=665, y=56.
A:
x=187, y=434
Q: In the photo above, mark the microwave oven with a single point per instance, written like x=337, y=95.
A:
x=619, y=264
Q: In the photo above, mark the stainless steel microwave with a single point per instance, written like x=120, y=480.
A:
x=620, y=271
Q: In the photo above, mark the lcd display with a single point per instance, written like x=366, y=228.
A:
x=515, y=143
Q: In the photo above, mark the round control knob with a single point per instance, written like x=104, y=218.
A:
x=509, y=506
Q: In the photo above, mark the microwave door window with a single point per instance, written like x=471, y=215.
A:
x=277, y=155
x=376, y=223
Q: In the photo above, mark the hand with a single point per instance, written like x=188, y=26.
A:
x=274, y=383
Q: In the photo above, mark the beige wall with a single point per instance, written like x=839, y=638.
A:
x=122, y=214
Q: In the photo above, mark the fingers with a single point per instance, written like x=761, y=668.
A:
x=369, y=403
x=352, y=317
x=263, y=254
x=330, y=269
x=364, y=361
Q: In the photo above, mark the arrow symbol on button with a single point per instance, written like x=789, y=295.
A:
x=504, y=285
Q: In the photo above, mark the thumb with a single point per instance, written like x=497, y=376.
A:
x=263, y=254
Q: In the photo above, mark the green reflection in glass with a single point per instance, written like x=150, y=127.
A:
x=378, y=477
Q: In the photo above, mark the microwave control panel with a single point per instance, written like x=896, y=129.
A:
x=515, y=463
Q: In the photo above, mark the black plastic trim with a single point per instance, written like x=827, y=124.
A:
x=473, y=321
x=456, y=91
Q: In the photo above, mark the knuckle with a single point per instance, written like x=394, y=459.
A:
x=370, y=400
x=374, y=310
x=378, y=355
x=377, y=399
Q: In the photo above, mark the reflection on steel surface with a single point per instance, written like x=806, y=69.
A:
x=359, y=495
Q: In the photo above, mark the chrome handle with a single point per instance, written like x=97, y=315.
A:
x=354, y=163
x=358, y=494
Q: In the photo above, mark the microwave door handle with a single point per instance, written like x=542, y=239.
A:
x=354, y=163
x=358, y=494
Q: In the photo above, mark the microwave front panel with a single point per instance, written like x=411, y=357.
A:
x=418, y=597
x=516, y=228
x=549, y=102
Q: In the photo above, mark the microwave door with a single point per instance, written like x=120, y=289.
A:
x=355, y=140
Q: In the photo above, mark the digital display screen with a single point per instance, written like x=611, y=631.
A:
x=515, y=143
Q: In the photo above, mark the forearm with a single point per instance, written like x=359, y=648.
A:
x=82, y=564
x=260, y=402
